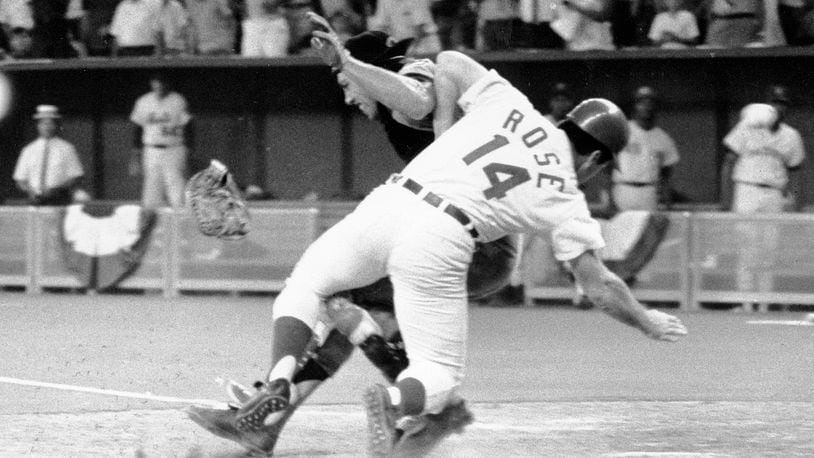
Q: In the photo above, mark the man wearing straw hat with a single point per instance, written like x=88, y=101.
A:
x=48, y=169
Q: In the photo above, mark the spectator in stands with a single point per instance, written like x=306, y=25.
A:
x=296, y=13
x=173, y=29
x=496, y=21
x=51, y=37
x=791, y=15
x=643, y=167
x=162, y=132
x=212, y=24
x=630, y=22
x=584, y=24
x=408, y=19
x=734, y=24
x=763, y=150
x=536, y=17
x=48, y=169
x=98, y=15
x=19, y=43
x=135, y=27
x=266, y=31
x=18, y=23
x=675, y=28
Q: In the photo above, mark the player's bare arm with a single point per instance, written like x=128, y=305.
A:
x=612, y=295
x=455, y=72
x=399, y=93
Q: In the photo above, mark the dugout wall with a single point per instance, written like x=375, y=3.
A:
x=281, y=123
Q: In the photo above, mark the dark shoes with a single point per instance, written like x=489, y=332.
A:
x=222, y=423
x=270, y=398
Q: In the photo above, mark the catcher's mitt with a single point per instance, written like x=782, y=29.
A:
x=217, y=203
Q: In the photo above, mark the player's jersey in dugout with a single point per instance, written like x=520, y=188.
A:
x=510, y=170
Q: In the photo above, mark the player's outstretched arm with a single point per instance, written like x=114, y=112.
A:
x=455, y=72
x=397, y=92
x=612, y=295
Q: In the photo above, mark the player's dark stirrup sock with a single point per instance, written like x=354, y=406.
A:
x=413, y=396
x=291, y=337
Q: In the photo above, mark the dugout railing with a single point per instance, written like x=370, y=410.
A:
x=712, y=258
x=705, y=257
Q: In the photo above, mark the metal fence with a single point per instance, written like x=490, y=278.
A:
x=713, y=258
x=178, y=258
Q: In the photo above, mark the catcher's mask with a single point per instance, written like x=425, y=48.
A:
x=598, y=130
x=378, y=48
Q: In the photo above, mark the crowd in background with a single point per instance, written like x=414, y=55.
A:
x=274, y=28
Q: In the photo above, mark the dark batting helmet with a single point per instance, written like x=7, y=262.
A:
x=597, y=125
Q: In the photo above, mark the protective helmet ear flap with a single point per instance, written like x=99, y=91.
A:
x=597, y=124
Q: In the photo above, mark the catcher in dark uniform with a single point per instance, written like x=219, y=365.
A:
x=398, y=92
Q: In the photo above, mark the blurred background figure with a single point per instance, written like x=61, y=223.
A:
x=162, y=132
x=266, y=31
x=763, y=150
x=407, y=19
x=535, y=20
x=675, y=28
x=95, y=26
x=585, y=25
x=733, y=24
x=48, y=169
x=496, y=25
x=296, y=13
x=644, y=166
x=213, y=27
x=135, y=27
x=17, y=20
x=173, y=29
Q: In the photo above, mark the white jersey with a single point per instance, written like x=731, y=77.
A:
x=163, y=119
x=764, y=156
x=646, y=153
x=510, y=170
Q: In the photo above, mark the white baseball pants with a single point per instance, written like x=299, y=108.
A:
x=425, y=252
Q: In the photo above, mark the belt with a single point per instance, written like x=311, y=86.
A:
x=436, y=201
x=759, y=185
x=734, y=16
x=158, y=146
x=636, y=184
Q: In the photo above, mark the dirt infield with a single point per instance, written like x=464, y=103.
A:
x=541, y=382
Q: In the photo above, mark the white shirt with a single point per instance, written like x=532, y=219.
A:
x=682, y=24
x=62, y=164
x=163, y=119
x=135, y=22
x=646, y=153
x=764, y=156
x=509, y=170
x=16, y=13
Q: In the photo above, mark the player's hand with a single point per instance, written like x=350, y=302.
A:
x=327, y=43
x=663, y=326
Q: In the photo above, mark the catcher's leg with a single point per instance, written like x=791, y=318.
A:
x=323, y=362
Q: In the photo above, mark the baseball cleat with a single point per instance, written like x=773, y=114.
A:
x=434, y=428
x=222, y=423
x=381, y=421
x=238, y=393
x=270, y=398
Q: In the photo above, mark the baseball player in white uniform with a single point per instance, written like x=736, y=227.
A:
x=162, y=117
x=763, y=150
x=501, y=169
x=644, y=166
